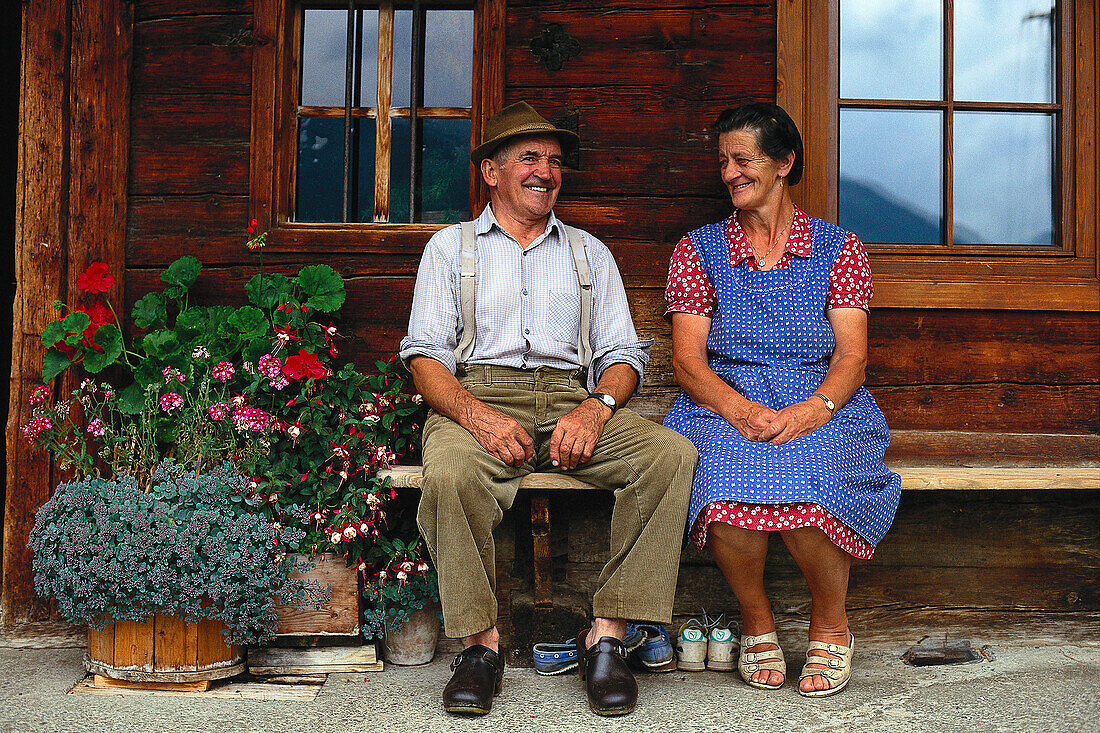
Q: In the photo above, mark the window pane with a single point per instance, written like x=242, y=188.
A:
x=363, y=133
x=891, y=49
x=445, y=171
x=402, y=57
x=324, y=57
x=320, y=169
x=367, y=33
x=1004, y=169
x=891, y=175
x=1004, y=50
x=399, y=170
x=448, y=58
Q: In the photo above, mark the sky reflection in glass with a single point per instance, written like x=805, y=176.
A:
x=891, y=175
x=891, y=49
x=1004, y=169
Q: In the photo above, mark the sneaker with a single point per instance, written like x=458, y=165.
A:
x=691, y=646
x=655, y=653
x=721, y=643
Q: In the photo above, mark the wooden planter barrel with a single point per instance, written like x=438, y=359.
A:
x=163, y=649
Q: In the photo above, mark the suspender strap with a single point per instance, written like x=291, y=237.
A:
x=467, y=282
x=468, y=292
x=584, y=278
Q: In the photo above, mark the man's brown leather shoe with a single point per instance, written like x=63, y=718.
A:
x=608, y=680
x=478, y=676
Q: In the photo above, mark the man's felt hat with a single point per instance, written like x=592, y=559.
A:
x=516, y=120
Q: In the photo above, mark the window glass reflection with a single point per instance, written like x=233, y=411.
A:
x=891, y=49
x=402, y=57
x=448, y=58
x=367, y=32
x=320, y=188
x=444, y=171
x=891, y=175
x=399, y=171
x=324, y=57
x=364, y=139
x=1004, y=50
x=1004, y=173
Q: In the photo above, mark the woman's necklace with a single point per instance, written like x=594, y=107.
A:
x=761, y=258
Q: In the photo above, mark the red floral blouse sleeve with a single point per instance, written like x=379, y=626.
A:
x=689, y=289
x=850, y=283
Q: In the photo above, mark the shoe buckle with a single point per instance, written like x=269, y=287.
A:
x=457, y=661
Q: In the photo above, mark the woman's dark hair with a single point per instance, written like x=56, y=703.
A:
x=774, y=129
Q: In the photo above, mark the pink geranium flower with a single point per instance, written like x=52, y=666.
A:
x=171, y=402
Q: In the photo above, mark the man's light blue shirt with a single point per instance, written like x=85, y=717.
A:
x=528, y=303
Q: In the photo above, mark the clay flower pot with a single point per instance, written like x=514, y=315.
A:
x=415, y=642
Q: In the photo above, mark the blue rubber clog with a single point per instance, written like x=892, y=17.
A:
x=551, y=659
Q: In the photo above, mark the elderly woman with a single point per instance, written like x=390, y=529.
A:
x=769, y=338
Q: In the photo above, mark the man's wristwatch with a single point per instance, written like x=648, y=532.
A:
x=828, y=403
x=606, y=399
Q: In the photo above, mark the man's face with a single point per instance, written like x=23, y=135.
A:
x=525, y=186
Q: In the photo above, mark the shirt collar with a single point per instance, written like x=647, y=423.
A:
x=798, y=243
x=486, y=221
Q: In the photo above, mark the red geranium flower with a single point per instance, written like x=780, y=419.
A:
x=96, y=279
x=304, y=365
x=99, y=315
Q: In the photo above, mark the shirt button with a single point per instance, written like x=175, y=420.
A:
x=525, y=291
x=527, y=331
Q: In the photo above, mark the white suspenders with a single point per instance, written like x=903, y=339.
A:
x=468, y=292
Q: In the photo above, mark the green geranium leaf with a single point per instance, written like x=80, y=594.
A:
x=251, y=322
x=69, y=329
x=161, y=344
x=131, y=399
x=53, y=332
x=268, y=290
x=193, y=321
x=323, y=285
x=108, y=338
x=53, y=363
x=148, y=372
x=181, y=274
x=151, y=310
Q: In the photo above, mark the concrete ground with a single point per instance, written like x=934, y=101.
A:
x=1025, y=685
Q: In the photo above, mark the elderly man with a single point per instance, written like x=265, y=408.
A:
x=521, y=341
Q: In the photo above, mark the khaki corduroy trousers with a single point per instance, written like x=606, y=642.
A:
x=466, y=491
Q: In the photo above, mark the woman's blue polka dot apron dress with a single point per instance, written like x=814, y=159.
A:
x=770, y=339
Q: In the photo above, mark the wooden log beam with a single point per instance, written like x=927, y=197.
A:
x=40, y=225
x=71, y=211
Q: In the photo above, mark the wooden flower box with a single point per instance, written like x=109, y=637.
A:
x=337, y=618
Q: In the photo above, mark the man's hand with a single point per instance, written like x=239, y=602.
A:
x=796, y=420
x=577, y=432
x=500, y=435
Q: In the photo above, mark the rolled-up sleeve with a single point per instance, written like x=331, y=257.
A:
x=434, y=321
x=614, y=340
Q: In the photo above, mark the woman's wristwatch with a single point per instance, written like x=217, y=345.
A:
x=828, y=403
x=606, y=399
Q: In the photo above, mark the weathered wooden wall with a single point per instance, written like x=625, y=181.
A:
x=649, y=77
x=70, y=212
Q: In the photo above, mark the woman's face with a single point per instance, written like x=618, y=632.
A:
x=753, y=179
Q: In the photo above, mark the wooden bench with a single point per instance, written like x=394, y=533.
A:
x=932, y=462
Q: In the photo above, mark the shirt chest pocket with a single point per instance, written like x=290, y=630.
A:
x=563, y=316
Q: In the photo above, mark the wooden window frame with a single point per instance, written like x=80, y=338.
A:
x=274, y=121
x=1067, y=278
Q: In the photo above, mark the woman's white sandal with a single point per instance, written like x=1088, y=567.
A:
x=836, y=670
x=771, y=660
